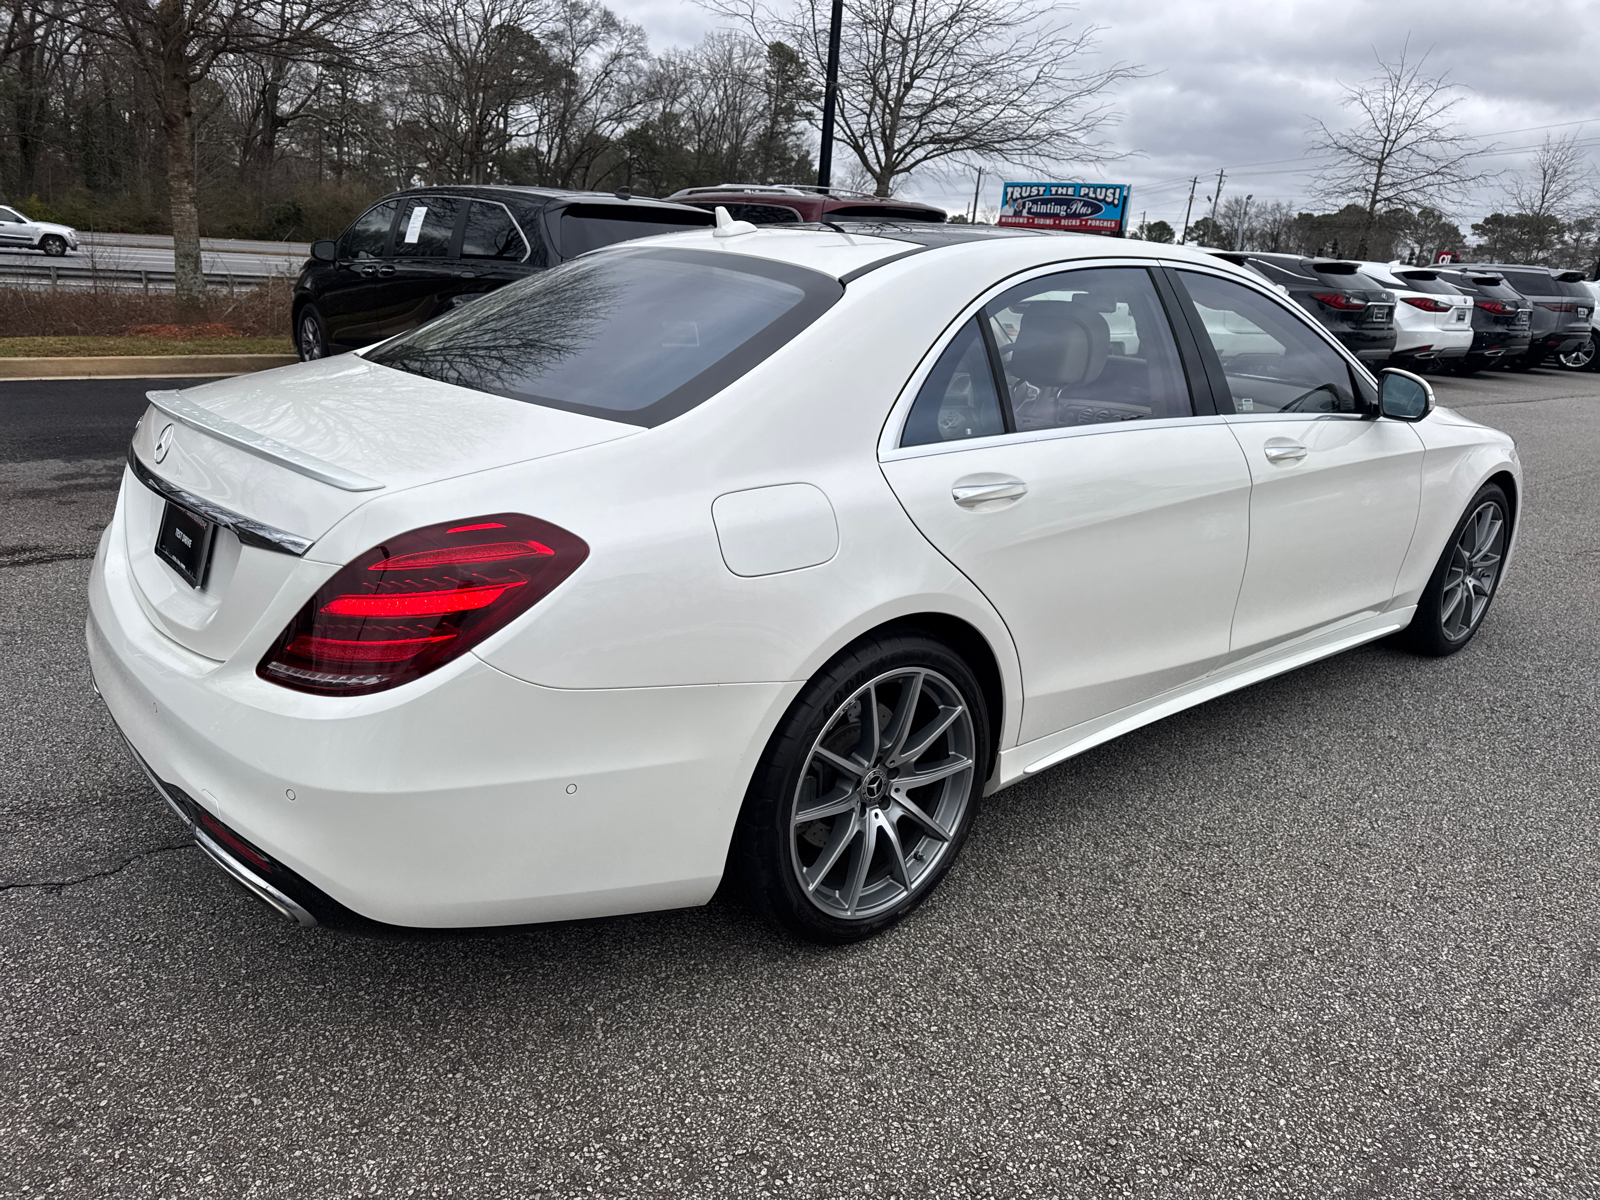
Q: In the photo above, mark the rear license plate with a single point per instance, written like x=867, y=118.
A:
x=1377, y=314
x=1460, y=314
x=184, y=543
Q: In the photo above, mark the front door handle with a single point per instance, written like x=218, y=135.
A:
x=385, y=270
x=369, y=271
x=972, y=495
x=1285, y=452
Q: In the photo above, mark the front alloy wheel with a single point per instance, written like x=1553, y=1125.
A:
x=1581, y=359
x=1453, y=604
x=53, y=245
x=866, y=791
x=310, y=339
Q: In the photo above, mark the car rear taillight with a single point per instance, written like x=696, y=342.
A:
x=1499, y=307
x=414, y=603
x=1559, y=305
x=1425, y=303
x=1340, y=301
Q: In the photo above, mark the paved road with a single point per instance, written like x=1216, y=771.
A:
x=141, y=252
x=1332, y=936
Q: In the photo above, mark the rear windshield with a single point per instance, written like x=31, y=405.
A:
x=1531, y=283
x=1571, y=287
x=634, y=335
x=588, y=227
x=1427, y=282
x=1479, y=285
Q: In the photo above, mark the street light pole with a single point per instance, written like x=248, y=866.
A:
x=829, y=98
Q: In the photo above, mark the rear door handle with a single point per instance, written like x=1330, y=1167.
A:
x=972, y=495
x=369, y=271
x=1285, y=453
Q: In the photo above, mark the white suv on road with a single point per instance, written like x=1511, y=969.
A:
x=54, y=240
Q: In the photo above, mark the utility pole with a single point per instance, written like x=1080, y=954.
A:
x=830, y=98
x=1183, y=234
x=976, y=188
x=1244, y=221
x=1221, y=175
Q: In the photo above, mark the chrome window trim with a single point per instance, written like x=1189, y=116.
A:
x=250, y=533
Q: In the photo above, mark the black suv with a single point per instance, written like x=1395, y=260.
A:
x=421, y=252
x=1560, y=314
x=1355, y=309
x=1500, y=317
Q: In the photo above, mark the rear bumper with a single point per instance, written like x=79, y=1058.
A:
x=475, y=800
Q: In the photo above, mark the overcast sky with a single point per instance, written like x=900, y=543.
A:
x=1233, y=84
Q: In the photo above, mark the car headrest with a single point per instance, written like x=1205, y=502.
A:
x=1060, y=343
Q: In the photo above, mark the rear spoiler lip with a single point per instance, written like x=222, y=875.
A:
x=233, y=434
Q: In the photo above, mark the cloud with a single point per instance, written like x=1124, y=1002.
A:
x=1234, y=84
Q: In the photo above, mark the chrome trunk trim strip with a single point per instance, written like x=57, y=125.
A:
x=251, y=533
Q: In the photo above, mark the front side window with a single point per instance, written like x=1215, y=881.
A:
x=426, y=227
x=1087, y=347
x=368, y=237
x=958, y=400
x=638, y=336
x=491, y=233
x=11, y=217
x=1271, y=360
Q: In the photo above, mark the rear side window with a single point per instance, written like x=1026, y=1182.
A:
x=958, y=400
x=491, y=233
x=638, y=336
x=1087, y=347
x=588, y=227
x=426, y=228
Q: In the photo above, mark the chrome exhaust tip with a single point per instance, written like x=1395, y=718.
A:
x=259, y=888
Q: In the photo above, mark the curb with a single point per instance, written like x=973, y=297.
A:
x=138, y=366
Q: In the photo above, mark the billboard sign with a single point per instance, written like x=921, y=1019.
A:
x=1079, y=207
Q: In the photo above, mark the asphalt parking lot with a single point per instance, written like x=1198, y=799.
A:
x=1335, y=935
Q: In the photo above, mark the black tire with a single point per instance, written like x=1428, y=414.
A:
x=53, y=244
x=770, y=847
x=1520, y=365
x=1470, y=365
x=1432, y=631
x=1585, y=358
x=310, y=334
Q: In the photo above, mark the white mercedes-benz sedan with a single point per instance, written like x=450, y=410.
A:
x=768, y=551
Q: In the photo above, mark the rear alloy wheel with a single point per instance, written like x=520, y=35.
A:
x=1581, y=359
x=867, y=790
x=53, y=244
x=1453, y=604
x=310, y=335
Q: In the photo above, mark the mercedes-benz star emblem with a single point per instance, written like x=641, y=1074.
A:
x=164, y=443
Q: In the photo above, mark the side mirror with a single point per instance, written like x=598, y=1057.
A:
x=1404, y=396
x=325, y=251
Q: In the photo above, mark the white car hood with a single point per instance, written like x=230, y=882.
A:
x=52, y=227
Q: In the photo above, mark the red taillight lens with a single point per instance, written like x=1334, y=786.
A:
x=1559, y=305
x=1426, y=304
x=1499, y=307
x=1340, y=301
x=414, y=603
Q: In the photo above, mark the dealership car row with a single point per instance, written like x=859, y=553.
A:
x=419, y=253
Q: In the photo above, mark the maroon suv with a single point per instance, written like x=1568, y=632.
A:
x=790, y=204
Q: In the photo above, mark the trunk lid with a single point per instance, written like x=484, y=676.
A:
x=295, y=450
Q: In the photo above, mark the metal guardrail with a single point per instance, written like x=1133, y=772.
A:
x=56, y=275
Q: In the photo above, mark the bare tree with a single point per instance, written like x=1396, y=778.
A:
x=1273, y=225
x=176, y=46
x=1403, y=150
x=925, y=81
x=1558, y=180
